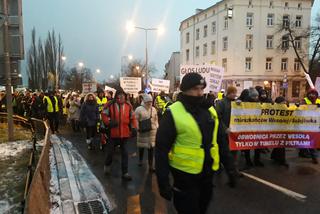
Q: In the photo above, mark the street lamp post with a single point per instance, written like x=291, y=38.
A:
x=7, y=70
x=131, y=27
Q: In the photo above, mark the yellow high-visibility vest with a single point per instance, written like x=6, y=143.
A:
x=187, y=153
x=50, y=105
x=160, y=103
x=220, y=96
x=308, y=102
x=101, y=102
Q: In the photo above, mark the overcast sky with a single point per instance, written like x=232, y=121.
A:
x=93, y=31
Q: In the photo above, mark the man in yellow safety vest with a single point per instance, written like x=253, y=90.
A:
x=51, y=105
x=186, y=146
x=312, y=98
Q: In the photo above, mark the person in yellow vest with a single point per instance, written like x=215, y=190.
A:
x=101, y=99
x=312, y=98
x=52, y=110
x=101, y=102
x=221, y=94
x=186, y=146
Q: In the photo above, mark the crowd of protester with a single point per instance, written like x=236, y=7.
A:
x=111, y=120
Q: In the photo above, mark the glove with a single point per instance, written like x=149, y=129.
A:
x=113, y=123
x=166, y=192
x=133, y=132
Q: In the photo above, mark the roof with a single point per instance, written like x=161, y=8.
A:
x=201, y=12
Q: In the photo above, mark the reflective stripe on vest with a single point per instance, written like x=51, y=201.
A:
x=308, y=102
x=186, y=153
x=49, y=104
x=101, y=102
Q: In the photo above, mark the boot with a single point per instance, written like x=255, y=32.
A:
x=126, y=177
x=88, y=141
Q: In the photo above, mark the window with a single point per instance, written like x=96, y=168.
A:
x=197, y=34
x=225, y=23
x=299, y=6
x=225, y=43
x=295, y=88
x=205, y=31
x=249, y=41
x=197, y=51
x=250, y=3
x=285, y=42
x=214, y=27
x=297, y=43
x=187, y=54
x=187, y=37
x=270, y=19
x=249, y=19
x=284, y=64
x=225, y=6
x=286, y=4
x=205, y=49
x=296, y=64
x=268, y=64
x=213, y=47
x=298, y=21
x=248, y=63
x=225, y=64
x=285, y=21
x=205, y=16
x=213, y=12
x=271, y=4
x=269, y=41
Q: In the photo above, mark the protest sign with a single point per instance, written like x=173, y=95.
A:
x=211, y=73
x=107, y=88
x=89, y=87
x=158, y=85
x=256, y=126
x=131, y=85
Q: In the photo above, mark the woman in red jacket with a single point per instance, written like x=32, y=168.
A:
x=119, y=117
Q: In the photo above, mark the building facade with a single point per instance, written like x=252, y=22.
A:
x=172, y=71
x=243, y=37
x=16, y=42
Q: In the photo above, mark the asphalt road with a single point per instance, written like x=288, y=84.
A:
x=269, y=190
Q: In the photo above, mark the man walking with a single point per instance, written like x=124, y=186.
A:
x=52, y=110
x=118, y=115
x=186, y=146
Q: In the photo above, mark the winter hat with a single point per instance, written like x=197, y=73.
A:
x=253, y=92
x=147, y=98
x=191, y=80
x=280, y=99
x=119, y=91
x=231, y=89
x=313, y=91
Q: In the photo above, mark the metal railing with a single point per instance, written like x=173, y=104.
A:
x=33, y=125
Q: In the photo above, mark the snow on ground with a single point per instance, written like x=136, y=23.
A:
x=8, y=150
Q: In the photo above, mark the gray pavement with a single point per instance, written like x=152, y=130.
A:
x=280, y=190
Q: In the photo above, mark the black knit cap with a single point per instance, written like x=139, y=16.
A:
x=191, y=80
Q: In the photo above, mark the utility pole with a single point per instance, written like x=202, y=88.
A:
x=7, y=70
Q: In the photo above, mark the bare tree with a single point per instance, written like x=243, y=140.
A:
x=45, y=66
x=293, y=37
x=75, y=77
x=137, y=68
x=32, y=62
